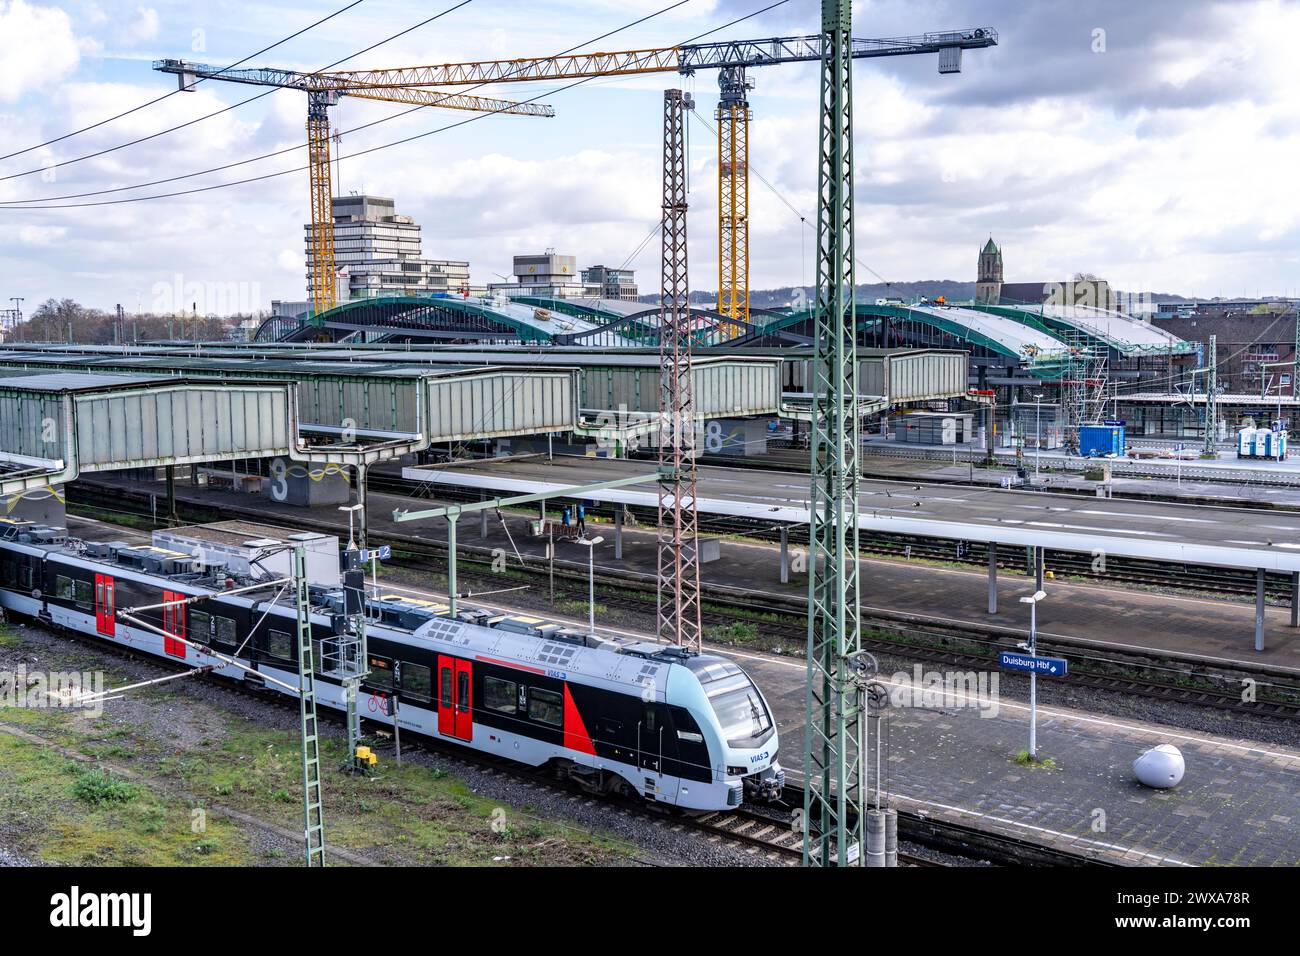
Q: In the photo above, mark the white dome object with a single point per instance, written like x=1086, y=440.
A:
x=1160, y=767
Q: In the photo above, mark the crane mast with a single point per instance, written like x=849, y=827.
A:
x=733, y=117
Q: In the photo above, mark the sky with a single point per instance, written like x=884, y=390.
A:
x=1153, y=144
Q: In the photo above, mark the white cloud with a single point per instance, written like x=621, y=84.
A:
x=37, y=48
x=141, y=29
x=40, y=235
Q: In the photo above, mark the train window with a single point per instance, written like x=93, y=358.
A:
x=546, y=707
x=417, y=681
x=225, y=633
x=446, y=687
x=200, y=627
x=499, y=695
x=25, y=576
x=279, y=645
x=651, y=723
x=462, y=692
x=63, y=587
x=83, y=593
x=381, y=672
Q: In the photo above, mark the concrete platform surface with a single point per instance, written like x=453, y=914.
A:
x=1232, y=537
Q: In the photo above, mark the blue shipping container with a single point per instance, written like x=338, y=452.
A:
x=1098, y=441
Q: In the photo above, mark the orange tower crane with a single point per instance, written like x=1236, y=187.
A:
x=323, y=91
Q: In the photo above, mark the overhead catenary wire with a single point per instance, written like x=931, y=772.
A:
x=41, y=203
x=159, y=99
x=226, y=109
x=290, y=149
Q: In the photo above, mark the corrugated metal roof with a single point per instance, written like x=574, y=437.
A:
x=31, y=381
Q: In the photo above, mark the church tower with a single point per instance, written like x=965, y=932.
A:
x=988, y=278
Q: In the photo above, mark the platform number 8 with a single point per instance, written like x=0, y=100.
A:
x=713, y=437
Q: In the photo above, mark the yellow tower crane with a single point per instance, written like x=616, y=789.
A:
x=323, y=91
x=731, y=58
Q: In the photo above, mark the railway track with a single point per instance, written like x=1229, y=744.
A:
x=629, y=592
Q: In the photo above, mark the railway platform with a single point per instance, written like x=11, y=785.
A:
x=1238, y=805
x=1090, y=614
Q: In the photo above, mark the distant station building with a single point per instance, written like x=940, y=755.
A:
x=555, y=276
x=377, y=252
x=549, y=275
x=603, y=282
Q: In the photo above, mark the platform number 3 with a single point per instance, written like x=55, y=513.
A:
x=279, y=483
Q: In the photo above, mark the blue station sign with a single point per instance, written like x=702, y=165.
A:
x=1047, y=666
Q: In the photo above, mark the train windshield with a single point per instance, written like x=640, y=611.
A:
x=735, y=700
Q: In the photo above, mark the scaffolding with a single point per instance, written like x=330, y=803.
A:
x=1086, y=388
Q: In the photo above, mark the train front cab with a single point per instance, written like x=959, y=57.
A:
x=741, y=729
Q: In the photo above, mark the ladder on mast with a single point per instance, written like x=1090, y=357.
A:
x=312, y=799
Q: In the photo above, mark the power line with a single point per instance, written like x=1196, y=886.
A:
x=226, y=109
x=27, y=204
x=159, y=99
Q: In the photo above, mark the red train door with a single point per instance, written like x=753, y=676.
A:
x=174, y=623
x=105, y=613
x=455, y=698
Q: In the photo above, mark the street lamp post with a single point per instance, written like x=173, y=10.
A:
x=351, y=510
x=1032, y=601
x=590, y=544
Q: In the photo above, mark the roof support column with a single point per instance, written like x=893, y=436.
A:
x=993, y=577
x=451, y=562
x=361, y=470
x=1295, y=598
x=785, y=554
x=1259, y=609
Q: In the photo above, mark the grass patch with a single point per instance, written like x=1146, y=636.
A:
x=9, y=638
x=737, y=632
x=1040, y=763
x=73, y=815
x=97, y=787
x=579, y=607
x=411, y=814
